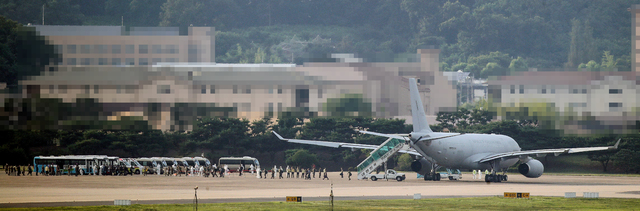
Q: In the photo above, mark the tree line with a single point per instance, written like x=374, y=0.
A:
x=474, y=36
x=217, y=137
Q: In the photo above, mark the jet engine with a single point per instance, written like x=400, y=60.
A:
x=532, y=168
x=422, y=166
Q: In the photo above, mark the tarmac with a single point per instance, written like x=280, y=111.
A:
x=51, y=191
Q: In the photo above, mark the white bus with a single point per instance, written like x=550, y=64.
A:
x=203, y=161
x=150, y=163
x=62, y=164
x=233, y=163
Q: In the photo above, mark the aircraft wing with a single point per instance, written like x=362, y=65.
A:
x=340, y=144
x=327, y=143
x=542, y=152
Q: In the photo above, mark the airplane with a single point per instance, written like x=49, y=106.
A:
x=459, y=151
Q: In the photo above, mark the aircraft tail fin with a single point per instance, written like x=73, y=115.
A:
x=420, y=123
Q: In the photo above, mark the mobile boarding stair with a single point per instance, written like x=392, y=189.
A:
x=379, y=156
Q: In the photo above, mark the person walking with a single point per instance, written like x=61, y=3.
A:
x=325, y=174
x=280, y=173
x=479, y=174
x=30, y=170
x=77, y=170
x=349, y=174
x=313, y=170
x=341, y=173
x=288, y=171
x=474, y=174
x=297, y=171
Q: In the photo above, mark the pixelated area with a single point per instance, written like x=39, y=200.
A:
x=113, y=77
x=577, y=101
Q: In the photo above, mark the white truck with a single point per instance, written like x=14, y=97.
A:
x=389, y=174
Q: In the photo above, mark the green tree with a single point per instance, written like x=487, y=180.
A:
x=625, y=160
x=348, y=105
x=22, y=52
x=302, y=158
x=518, y=64
x=404, y=162
x=582, y=48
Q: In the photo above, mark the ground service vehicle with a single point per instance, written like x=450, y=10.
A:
x=149, y=163
x=233, y=163
x=389, y=174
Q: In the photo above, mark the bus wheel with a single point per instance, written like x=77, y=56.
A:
x=137, y=171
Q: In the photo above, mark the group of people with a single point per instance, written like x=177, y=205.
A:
x=204, y=171
x=17, y=170
x=478, y=174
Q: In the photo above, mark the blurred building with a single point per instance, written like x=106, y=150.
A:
x=167, y=78
x=583, y=101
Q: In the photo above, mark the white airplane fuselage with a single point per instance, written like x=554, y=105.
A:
x=463, y=151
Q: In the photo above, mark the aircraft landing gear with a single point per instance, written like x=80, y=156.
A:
x=495, y=178
x=432, y=177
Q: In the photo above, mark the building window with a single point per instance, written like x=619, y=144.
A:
x=143, y=49
x=118, y=89
x=155, y=61
x=553, y=91
x=247, y=90
x=58, y=49
x=51, y=88
x=203, y=89
x=521, y=89
x=171, y=49
x=102, y=61
x=71, y=49
x=85, y=61
x=615, y=91
x=583, y=91
x=87, y=89
x=164, y=89
x=85, y=49
x=270, y=107
x=574, y=105
x=213, y=89
x=512, y=90
x=279, y=90
x=143, y=61
x=100, y=49
x=115, y=49
x=71, y=61
x=116, y=61
x=279, y=107
x=130, y=49
x=615, y=105
x=319, y=93
x=96, y=89
x=235, y=89
x=156, y=49
x=129, y=61
x=192, y=55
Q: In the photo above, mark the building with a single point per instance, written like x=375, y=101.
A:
x=578, y=101
x=121, y=46
x=167, y=77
